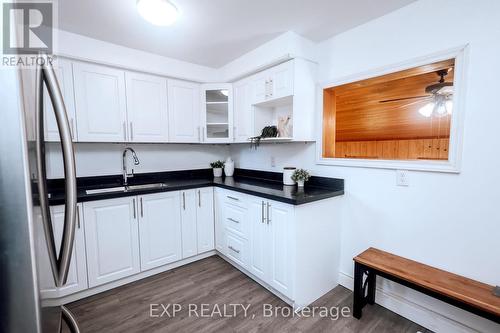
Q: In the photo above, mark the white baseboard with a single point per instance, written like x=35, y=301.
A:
x=424, y=310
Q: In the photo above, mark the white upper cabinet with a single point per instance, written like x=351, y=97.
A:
x=281, y=80
x=147, y=108
x=100, y=103
x=184, y=111
x=77, y=275
x=274, y=83
x=112, y=239
x=217, y=113
x=188, y=221
x=64, y=74
x=205, y=219
x=159, y=229
x=243, y=111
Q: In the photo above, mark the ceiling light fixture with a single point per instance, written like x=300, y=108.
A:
x=158, y=12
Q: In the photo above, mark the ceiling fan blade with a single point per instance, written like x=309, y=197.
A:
x=410, y=104
x=403, y=99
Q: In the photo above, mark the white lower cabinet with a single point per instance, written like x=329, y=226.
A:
x=159, y=229
x=205, y=219
x=77, y=276
x=112, y=239
x=188, y=221
x=291, y=249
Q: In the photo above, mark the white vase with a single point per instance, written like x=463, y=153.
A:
x=217, y=172
x=300, y=183
x=229, y=167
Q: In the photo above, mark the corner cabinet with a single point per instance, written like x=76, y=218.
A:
x=217, y=113
x=112, y=239
x=281, y=246
x=243, y=111
x=184, y=111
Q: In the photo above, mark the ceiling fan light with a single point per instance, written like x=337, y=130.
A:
x=158, y=12
x=426, y=110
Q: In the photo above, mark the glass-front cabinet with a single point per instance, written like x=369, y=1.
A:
x=217, y=115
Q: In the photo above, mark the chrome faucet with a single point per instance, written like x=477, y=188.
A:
x=124, y=164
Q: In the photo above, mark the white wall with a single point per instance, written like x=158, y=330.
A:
x=99, y=159
x=450, y=221
x=88, y=49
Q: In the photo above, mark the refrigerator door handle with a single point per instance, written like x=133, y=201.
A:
x=69, y=319
x=48, y=77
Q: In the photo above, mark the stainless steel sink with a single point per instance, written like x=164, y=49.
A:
x=145, y=187
x=127, y=188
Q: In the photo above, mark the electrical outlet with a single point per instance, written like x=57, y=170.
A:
x=273, y=161
x=402, y=178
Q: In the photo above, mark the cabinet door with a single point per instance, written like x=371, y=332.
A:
x=205, y=219
x=243, y=111
x=100, y=103
x=260, y=87
x=280, y=218
x=159, y=229
x=217, y=113
x=112, y=239
x=188, y=222
x=184, y=111
x=282, y=80
x=77, y=276
x=147, y=108
x=64, y=74
x=220, y=233
x=259, y=239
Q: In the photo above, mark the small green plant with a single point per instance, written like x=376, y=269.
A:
x=217, y=164
x=301, y=175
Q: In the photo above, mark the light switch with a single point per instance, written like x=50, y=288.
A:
x=402, y=178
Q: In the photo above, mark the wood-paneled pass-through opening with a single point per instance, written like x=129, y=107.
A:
x=404, y=115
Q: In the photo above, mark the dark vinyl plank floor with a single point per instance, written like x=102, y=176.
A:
x=214, y=282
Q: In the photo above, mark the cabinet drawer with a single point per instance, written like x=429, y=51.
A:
x=234, y=198
x=234, y=219
x=236, y=249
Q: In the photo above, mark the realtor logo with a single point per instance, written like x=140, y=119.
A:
x=27, y=27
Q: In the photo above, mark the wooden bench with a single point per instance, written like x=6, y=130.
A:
x=467, y=294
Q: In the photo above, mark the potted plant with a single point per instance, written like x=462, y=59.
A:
x=300, y=176
x=217, y=166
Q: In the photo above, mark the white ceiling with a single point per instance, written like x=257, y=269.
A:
x=214, y=32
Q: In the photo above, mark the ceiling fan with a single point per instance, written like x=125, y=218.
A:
x=439, y=95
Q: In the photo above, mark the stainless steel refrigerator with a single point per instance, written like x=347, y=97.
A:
x=23, y=195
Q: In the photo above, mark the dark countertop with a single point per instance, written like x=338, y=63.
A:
x=260, y=183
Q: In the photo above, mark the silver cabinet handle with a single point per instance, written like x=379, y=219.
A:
x=131, y=131
x=133, y=206
x=233, y=249
x=60, y=265
x=233, y=198
x=69, y=319
x=199, y=135
x=203, y=133
x=262, y=218
x=233, y=220
x=125, y=131
x=268, y=215
x=184, y=200
x=142, y=208
x=199, y=198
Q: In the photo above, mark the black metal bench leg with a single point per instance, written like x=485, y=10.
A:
x=358, y=297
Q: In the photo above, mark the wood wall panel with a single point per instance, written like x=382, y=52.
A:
x=432, y=149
